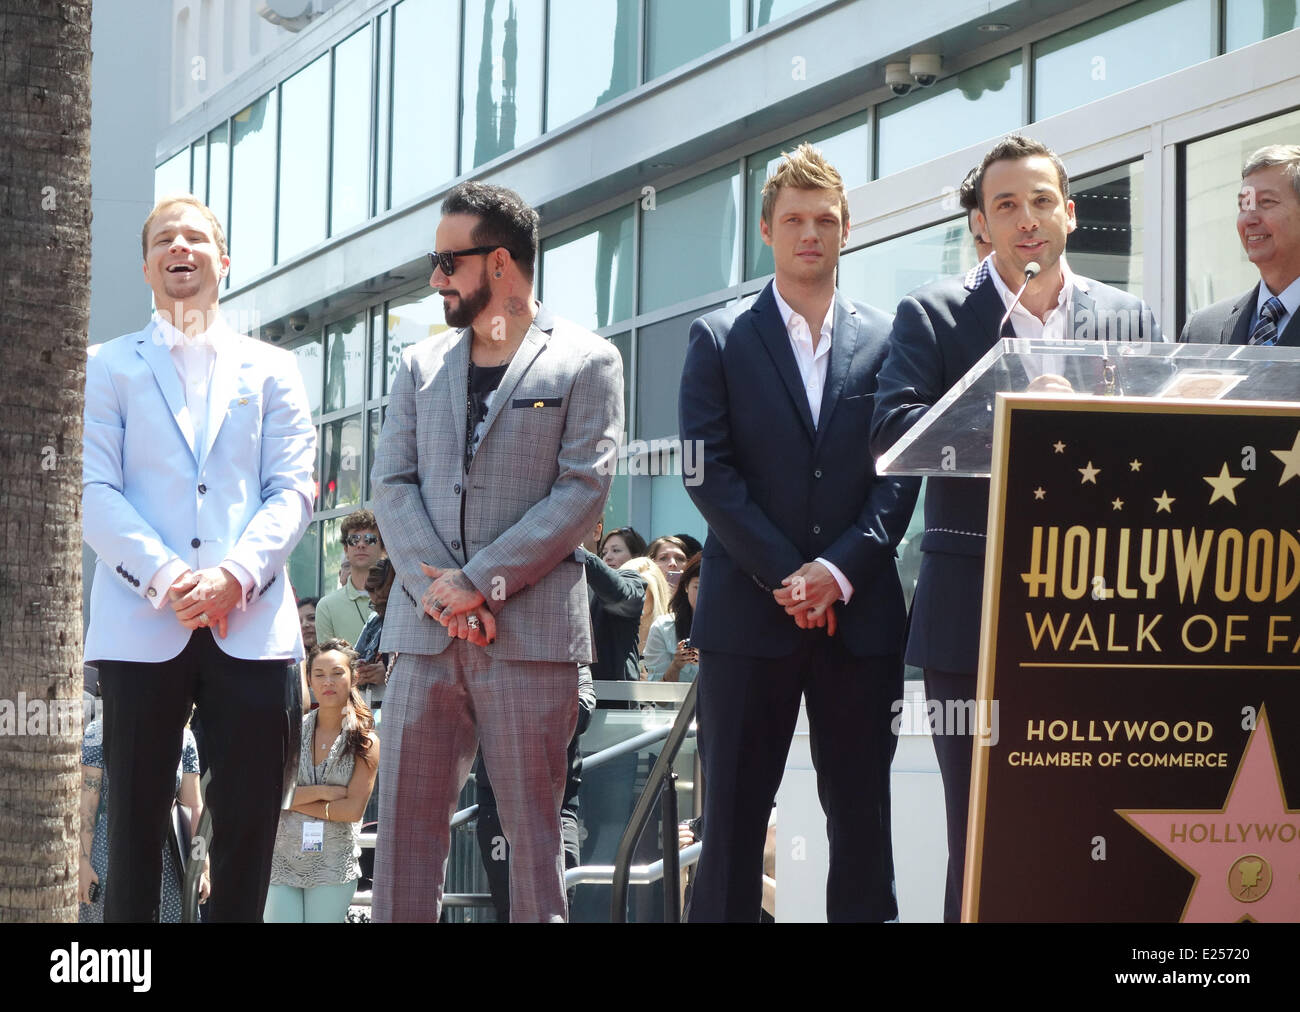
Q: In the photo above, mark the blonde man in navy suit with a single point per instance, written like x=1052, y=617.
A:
x=197, y=483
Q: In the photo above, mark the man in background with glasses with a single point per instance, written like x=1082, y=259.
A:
x=494, y=462
x=341, y=614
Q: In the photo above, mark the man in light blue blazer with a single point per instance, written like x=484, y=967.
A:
x=197, y=484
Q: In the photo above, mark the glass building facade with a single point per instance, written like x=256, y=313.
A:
x=373, y=125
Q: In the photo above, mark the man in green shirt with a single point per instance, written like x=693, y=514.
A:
x=341, y=613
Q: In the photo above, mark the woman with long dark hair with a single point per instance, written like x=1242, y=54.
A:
x=314, y=869
x=669, y=656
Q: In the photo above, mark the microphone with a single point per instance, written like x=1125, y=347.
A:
x=1032, y=271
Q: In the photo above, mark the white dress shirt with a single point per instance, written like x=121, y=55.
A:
x=1056, y=327
x=813, y=364
x=194, y=357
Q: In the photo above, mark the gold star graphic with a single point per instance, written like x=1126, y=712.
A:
x=1164, y=501
x=1058, y=446
x=1117, y=504
x=1223, y=486
x=1135, y=465
x=1039, y=493
x=1089, y=473
x=1291, y=458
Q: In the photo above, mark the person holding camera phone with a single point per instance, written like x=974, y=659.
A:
x=669, y=656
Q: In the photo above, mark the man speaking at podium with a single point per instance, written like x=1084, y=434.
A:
x=940, y=331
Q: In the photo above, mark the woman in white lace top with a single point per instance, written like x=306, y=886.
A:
x=314, y=869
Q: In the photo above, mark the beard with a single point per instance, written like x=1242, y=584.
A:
x=468, y=304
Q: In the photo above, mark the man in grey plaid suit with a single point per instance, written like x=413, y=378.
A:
x=494, y=463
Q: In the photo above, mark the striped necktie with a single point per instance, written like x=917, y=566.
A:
x=1265, y=332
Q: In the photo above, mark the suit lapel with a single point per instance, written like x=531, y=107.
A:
x=844, y=343
x=153, y=349
x=534, y=341
x=985, y=306
x=776, y=339
x=228, y=360
x=1236, y=328
x=456, y=369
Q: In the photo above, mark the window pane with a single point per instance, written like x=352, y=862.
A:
x=593, y=50
x=304, y=564
x=764, y=12
x=345, y=363
x=331, y=553
x=1107, y=244
x=424, y=96
x=681, y=30
x=503, y=67
x=623, y=342
x=375, y=425
x=587, y=271
x=409, y=320
x=1217, y=267
x=341, y=463
x=671, y=509
x=882, y=274
x=311, y=365
x=304, y=130
x=688, y=242
x=846, y=143
x=351, y=155
x=1122, y=49
x=978, y=103
x=173, y=175
x=376, y=352
x=1247, y=21
x=252, y=205
x=219, y=173
x=384, y=110
x=661, y=352
x=199, y=164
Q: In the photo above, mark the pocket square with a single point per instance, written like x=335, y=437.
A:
x=537, y=402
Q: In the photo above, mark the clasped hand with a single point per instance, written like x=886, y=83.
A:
x=452, y=600
x=204, y=598
x=808, y=595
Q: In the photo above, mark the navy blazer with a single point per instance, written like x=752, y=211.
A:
x=777, y=491
x=940, y=331
x=1228, y=322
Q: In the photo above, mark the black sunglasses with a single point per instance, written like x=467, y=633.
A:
x=447, y=259
x=356, y=539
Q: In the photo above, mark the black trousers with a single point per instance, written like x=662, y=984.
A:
x=954, y=752
x=747, y=710
x=252, y=720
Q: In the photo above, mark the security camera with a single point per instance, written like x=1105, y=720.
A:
x=924, y=68
x=899, y=78
x=298, y=322
x=273, y=332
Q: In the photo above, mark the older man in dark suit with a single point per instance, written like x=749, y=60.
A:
x=798, y=590
x=1268, y=222
x=940, y=332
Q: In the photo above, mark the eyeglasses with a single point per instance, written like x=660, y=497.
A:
x=358, y=539
x=447, y=259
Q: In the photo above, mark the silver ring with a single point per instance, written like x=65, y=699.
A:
x=472, y=621
x=438, y=605
x=203, y=618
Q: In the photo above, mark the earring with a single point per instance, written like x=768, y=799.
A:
x=497, y=275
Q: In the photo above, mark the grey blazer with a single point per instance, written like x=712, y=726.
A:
x=536, y=485
x=1228, y=322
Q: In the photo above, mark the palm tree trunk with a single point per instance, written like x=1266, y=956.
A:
x=44, y=306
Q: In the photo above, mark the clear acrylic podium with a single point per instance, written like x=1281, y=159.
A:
x=954, y=439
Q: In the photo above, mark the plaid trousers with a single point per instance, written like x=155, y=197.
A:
x=438, y=709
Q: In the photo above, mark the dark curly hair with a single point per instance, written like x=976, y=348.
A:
x=504, y=219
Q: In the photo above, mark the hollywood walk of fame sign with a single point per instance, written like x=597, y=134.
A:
x=1140, y=648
